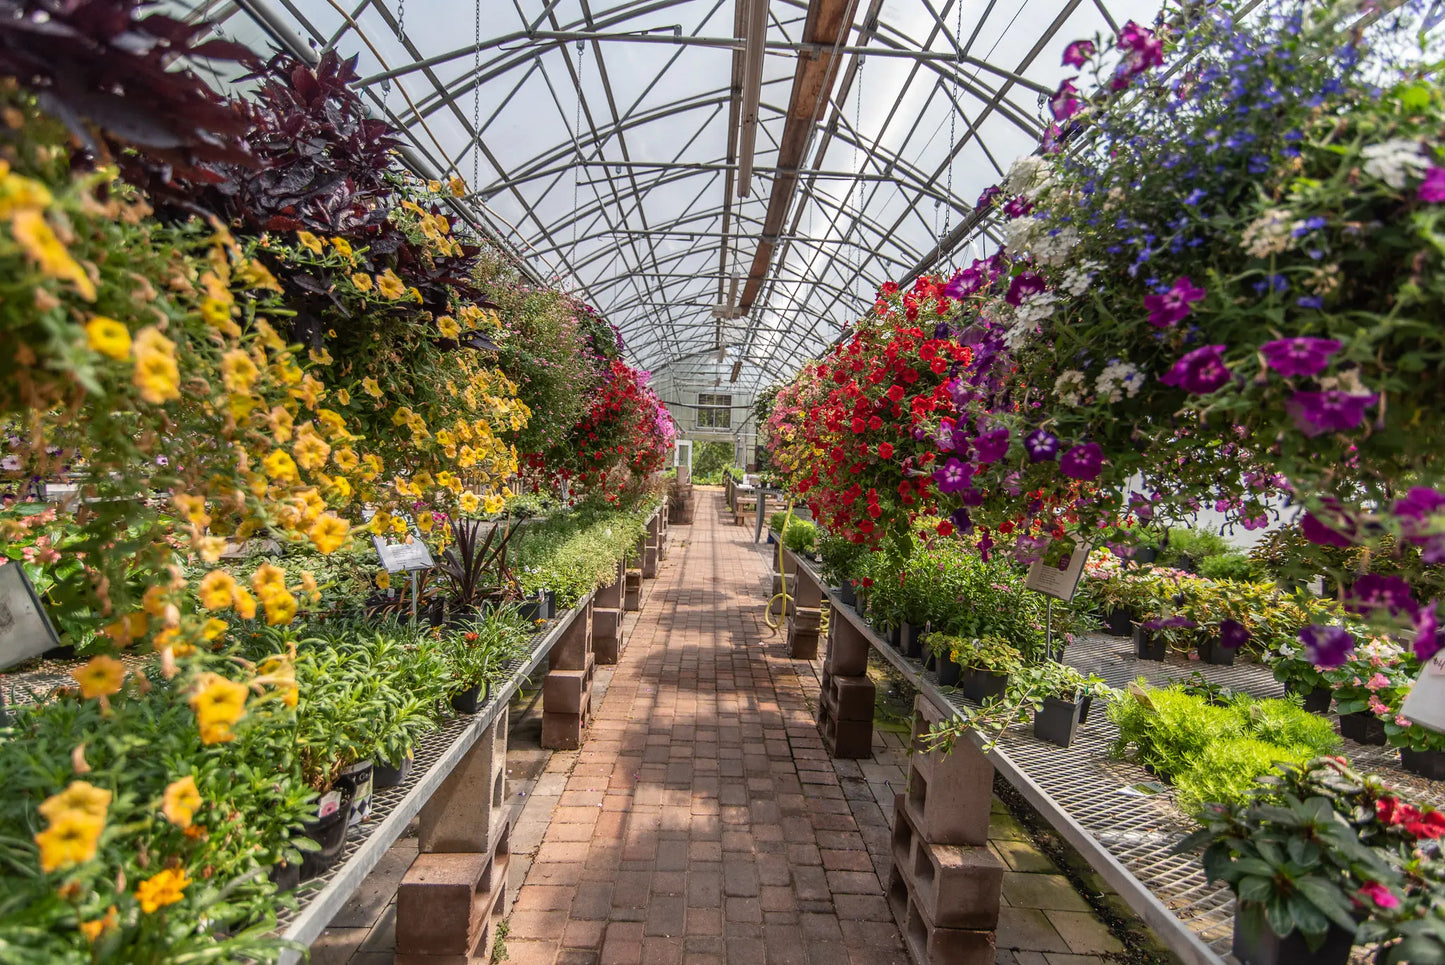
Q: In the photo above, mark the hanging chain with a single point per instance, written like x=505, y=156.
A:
x=401, y=22
x=952, y=123
x=477, y=98
x=577, y=144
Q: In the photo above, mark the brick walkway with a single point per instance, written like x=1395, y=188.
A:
x=702, y=820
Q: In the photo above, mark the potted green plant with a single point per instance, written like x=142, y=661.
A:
x=1366, y=686
x=473, y=655
x=1055, y=692
x=987, y=663
x=1161, y=630
x=941, y=647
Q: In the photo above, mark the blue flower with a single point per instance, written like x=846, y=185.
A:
x=1196, y=196
x=1311, y=301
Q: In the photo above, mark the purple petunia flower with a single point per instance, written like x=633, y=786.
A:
x=1299, y=356
x=962, y=520
x=985, y=200
x=1144, y=51
x=952, y=476
x=1065, y=103
x=1375, y=592
x=1083, y=461
x=1017, y=207
x=991, y=446
x=1170, y=308
x=1432, y=189
x=1316, y=413
x=965, y=283
x=1427, y=632
x=1419, y=502
x=1327, y=646
x=1042, y=445
x=1077, y=54
x=1232, y=634
x=1183, y=623
x=1321, y=535
x=1023, y=286
x=1200, y=371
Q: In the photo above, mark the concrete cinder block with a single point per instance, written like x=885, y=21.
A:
x=802, y=644
x=608, y=637
x=649, y=562
x=845, y=738
x=573, y=650
x=852, y=697
x=956, y=886
x=441, y=906
x=632, y=591
x=847, y=650
x=952, y=806
x=465, y=813
x=565, y=691
x=931, y=944
x=610, y=596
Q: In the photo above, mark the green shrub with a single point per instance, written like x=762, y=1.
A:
x=1227, y=566
x=1225, y=772
x=776, y=521
x=1169, y=728
x=1285, y=723
x=574, y=553
x=801, y=537
x=1187, y=546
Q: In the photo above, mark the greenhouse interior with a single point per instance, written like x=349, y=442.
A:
x=670, y=481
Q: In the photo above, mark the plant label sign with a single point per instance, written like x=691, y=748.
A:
x=1425, y=704
x=1058, y=583
x=403, y=556
x=25, y=629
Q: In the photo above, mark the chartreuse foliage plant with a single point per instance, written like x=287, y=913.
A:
x=1214, y=753
x=575, y=553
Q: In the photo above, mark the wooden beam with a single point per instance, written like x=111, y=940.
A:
x=817, y=70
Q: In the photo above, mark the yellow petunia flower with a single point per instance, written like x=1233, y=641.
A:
x=156, y=373
x=193, y=508
x=333, y=424
x=448, y=327
x=218, y=704
x=308, y=240
x=108, y=337
x=212, y=630
x=458, y=187
x=218, y=590
x=342, y=246
x=425, y=522
x=126, y=629
x=373, y=465
x=280, y=608
x=343, y=396
x=245, y=603
x=329, y=533
x=281, y=467
x=493, y=504
x=19, y=193
x=345, y=459
x=281, y=422
x=470, y=502
x=311, y=450
x=369, y=386
x=162, y=889
x=269, y=580
x=100, y=677
x=34, y=234
x=250, y=273
x=389, y=285
x=78, y=796
x=383, y=580
x=380, y=522
x=310, y=392
x=180, y=801
x=238, y=372
x=72, y=838
x=362, y=281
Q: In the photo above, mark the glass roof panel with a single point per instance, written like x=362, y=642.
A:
x=615, y=165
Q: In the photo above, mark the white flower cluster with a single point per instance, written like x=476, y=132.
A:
x=1118, y=379
x=1069, y=387
x=1078, y=278
x=1391, y=161
x=1037, y=307
x=1020, y=234
x=1269, y=234
x=1053, y=249
x=1028, y=176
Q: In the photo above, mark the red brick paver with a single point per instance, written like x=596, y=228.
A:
x=702, y=820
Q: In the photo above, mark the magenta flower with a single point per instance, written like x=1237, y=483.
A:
x=1419, y=502
x=1065, y=103
x=1042, y=445
x=1077, y=54
x=1200, y=371
x=985, y=200
x=1432, y=189
x=1017, y=207
x=1320, y=534
x=1316, y=413
x=952, y=476
x=1232, y=634
x=1084, y=461
x=1145, y=49
x=1378, y=895
x=1299, y=356
x=1023, y=286
x=1327, y=646
x=1170, y=308
x=1376, y=592
x=965, y=283
x=1427, y=632
x=991, y=446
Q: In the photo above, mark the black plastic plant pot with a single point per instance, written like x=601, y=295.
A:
x=1057, y=721
x=1212, y=651
x=846, y=594
x=895, y=638
x=1119, y=623
x=1085, y=702
x=1316, y=699
x=1145, y=554
x=470, y=701
x=285, y=875
x=1147, y=646
x=387, y=776
x=531, y=610
x=949, y=671
x=911, y=641
x=359, y=777
x=328, y=831
x=1427, y=764
x=1362, y=728
x=980, y=685
x=551, y=608
x=930, y=660
x=1255, y=943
